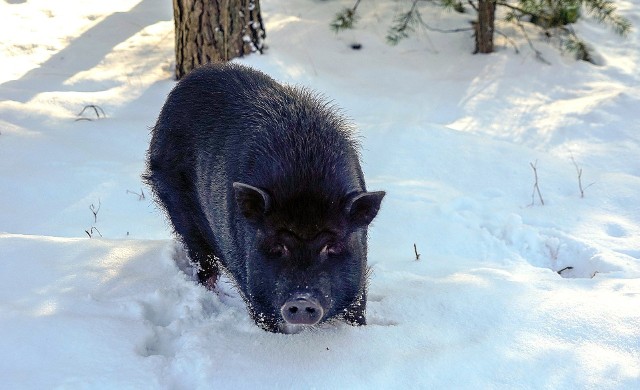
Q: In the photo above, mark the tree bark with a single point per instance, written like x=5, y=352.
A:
x=215, y=30
x=484, y=26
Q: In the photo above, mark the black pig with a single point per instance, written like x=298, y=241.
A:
x=263, y=181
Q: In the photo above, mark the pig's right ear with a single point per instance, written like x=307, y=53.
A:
x=362, y=208
x=252, y=201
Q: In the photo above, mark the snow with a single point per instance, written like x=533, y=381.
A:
x=450, y=136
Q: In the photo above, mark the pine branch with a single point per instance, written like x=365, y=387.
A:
x=539, y=56
x=435, y=29
x=454, y=5
x=604, y=11
x=573, y=44
x=345, y=19
x=473, y=5
x=509, y=40
x=403, y=24
x=512, y=7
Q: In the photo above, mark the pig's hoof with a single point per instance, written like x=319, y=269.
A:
x=210, y=283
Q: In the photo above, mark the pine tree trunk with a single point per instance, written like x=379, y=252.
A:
x=484, y=26
x=215, y=30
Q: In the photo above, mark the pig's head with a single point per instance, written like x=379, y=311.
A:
x=308, y=262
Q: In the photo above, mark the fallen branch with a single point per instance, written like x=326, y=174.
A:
x=92, y=230
x=564, y=269
x=97, y=109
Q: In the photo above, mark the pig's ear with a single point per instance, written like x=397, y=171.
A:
x=253, y=202
x=363, y=207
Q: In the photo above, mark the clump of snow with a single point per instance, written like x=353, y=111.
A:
x=505, y=294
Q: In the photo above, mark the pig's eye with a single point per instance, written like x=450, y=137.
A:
x=278, y=250
x=332, y=250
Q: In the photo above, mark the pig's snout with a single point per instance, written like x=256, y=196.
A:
x=302, y=309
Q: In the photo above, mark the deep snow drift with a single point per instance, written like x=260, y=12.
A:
x=450, y=137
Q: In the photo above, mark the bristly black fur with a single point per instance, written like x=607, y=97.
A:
x=241, y=164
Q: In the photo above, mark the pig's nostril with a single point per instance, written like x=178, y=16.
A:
x=302, y=309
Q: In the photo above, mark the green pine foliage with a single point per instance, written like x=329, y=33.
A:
x=454, y=5
x=345, y=19
x=404, y=24
x=579, y=48
x=549, y=14
x=604, y=11
x=554, y=17
x=557, y=13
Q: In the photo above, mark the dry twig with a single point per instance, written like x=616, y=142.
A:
x=92, y=230
x=536, y=188
x=95, y=210
x=579, y=172
x=140, y=195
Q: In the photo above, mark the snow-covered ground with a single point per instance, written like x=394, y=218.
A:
x=450, y=136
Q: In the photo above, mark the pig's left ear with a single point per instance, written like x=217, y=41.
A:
x=252, y=201
x=363, y=207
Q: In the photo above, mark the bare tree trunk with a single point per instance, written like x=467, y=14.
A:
x=484, y=26
x=215, y=30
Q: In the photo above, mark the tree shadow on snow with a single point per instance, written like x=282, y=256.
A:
x=83, y=52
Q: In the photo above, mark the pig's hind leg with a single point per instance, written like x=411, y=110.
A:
x=182, y=209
